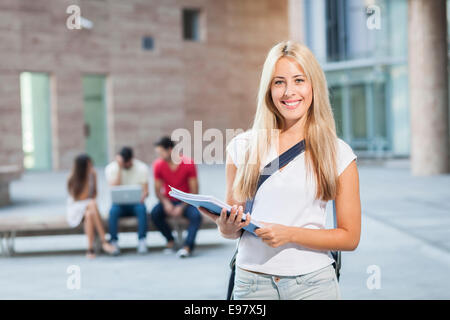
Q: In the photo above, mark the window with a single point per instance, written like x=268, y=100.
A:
x=379, y=112
x=347, y=34
x=191, y=24
x=336, y=105
x=361, y=114
x=358, y=106
x=147, y=43
x=336, y=15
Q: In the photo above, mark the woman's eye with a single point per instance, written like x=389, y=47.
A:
x=299, y=80
x=278, y=82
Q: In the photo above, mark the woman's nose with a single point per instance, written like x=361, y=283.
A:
x=289, y=90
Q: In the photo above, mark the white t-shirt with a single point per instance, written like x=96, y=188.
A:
x=287, y=198
x=137, y=174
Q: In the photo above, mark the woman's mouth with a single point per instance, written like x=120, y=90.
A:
x=291, y=104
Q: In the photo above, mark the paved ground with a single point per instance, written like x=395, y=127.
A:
x=405, y=235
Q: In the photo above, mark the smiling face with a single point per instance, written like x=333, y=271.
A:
x=291, y=91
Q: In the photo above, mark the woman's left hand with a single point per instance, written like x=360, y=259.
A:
x=274, y=234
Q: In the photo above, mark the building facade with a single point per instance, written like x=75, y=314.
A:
x=363, y=48
x=147, y=67
x=142, y=69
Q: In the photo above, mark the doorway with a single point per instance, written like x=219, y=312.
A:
x=95, y=124
x=36, y=120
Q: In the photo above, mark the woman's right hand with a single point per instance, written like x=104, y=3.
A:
x=230, y=225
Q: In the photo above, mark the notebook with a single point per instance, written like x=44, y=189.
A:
x=209, y=202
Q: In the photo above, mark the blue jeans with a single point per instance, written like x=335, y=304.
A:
x=128, y=210
x=191, y=213
x=318, y=285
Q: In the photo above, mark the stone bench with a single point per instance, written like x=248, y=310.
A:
x=8, y=174
x=30, y=226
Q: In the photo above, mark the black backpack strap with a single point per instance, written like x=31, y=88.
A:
x=336, y=254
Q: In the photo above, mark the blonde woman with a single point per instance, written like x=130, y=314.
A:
x=290, y=256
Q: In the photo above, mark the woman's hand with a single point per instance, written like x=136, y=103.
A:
x=273, y=234
x=230, y=225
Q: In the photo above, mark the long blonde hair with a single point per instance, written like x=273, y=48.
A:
x=320, y=130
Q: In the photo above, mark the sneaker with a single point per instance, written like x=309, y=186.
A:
x=183, y=253
x=142, y=246
x=116, y=247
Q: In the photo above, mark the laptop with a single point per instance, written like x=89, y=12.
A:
x=126, y=194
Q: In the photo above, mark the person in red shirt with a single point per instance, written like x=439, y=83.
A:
x=182, y=176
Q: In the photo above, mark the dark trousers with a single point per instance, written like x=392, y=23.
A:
x=191, y=213
x=128, y=210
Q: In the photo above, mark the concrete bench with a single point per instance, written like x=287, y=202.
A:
x=30, y=226
x=8, y=174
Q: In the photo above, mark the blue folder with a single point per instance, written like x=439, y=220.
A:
x=211, y=206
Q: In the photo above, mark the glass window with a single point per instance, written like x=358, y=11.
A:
x=336, y=30
x=358, y=111
x=336, y=105
x=347, y=33
x=379, y=103
x=191, y=24
x=147, y=43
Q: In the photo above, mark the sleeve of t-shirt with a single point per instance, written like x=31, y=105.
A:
x=156, y=170
x=237, y=147
x=192, y=173
x=345, y=156
x=111, y=171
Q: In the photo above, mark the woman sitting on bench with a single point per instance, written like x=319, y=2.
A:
x=82, y=206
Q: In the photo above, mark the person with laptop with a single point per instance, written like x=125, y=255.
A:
x=125, y=175
x=182, y=176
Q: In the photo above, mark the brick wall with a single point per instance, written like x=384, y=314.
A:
x=150, y=93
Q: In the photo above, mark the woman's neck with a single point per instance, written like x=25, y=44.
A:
x=295, y=130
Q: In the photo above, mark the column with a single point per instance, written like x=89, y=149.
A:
x=428, y=87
